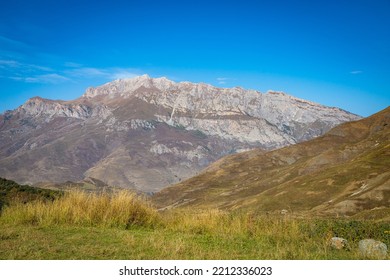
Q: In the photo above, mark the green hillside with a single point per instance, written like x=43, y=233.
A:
x=12, y=192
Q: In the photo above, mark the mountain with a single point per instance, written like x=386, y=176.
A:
x=345, y=172
x=146, y=133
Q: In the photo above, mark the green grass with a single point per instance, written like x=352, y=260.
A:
x=72, y=242
x=124, y=226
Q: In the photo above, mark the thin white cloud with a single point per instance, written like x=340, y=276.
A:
x=109, y=73
x=356, y=72
x=222, y=80
x=52, y=78
x=9, y=64
x=121, y=74
x=13, y=64
x=21, y=68
x=86, y=72
x=29, y=73
x=70, y=71
x=10, y=43
x=38, y=67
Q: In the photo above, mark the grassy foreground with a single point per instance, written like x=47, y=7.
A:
x=123, y=226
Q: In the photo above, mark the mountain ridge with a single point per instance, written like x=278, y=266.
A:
x=147, y=133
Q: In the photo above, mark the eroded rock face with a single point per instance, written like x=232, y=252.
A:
x=148, y=133
x=274, y=119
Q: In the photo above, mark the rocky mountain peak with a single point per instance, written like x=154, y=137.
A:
x=125, y=87
x=148, y=132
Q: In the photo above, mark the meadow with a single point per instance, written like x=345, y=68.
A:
x=122, y=225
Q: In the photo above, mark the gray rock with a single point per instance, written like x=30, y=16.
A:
x=373, y=249
x=338, y=243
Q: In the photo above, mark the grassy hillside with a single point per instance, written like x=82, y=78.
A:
x=123, y=226
x=346, y=172
x=12, y=192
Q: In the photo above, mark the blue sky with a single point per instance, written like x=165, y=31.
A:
x=336, y=53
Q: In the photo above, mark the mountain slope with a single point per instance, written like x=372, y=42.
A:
x=147, y=133
x=344, y=172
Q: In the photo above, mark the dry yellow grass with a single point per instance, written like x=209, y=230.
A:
x=222, y=223
x=120, y=209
